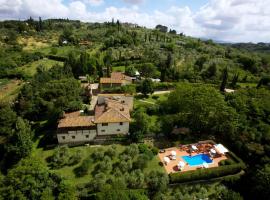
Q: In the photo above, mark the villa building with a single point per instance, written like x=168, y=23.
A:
x=111, y=117
x=117, y=79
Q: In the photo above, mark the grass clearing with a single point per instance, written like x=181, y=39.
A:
x=119, y=69
x=248, y=85
x=86, y=151
x=9, y=89
x=31, y=68
x=31, y=43
x=149, y=100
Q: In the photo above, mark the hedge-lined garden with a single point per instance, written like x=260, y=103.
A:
x=231, y=166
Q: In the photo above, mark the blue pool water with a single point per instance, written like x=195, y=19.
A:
x=197, y=160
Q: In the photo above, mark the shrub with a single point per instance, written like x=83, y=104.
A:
x=75, y=158
x=82, y=170
x=205, y=173
x=111, y=152
x=141, y=162
x=61, y=157
x=142, y=148
x=155, y=97
x=98, y=154
x=132, y=150
x=154, y=150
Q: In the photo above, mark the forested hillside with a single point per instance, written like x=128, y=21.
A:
x=40, y=63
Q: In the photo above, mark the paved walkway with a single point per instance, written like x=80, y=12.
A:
x=147, y=102
x=93, y=103
x=163, y=92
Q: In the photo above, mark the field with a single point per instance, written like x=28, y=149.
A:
x=86, y=151
x=119, y=69
x=149, y=100
x=9, y=89
x=31, y=68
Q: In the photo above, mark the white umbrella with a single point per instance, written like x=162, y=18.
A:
x=166, y=159
x=194, y=147
x=205, y=165
x=213, y=151
x=173, y=153
x=221, y=149
x=181, y=164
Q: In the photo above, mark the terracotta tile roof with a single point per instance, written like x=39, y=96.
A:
x=121, y=75
x=112, y=112
x=111, y=95
x=116, y=77
x=74, y=119
x=110, y=80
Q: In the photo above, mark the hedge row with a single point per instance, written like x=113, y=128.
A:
x=202, y=174
x=57, y=58
x=236, y=158
x=164, y=86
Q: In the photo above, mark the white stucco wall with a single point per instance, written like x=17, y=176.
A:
x=113, y=129
x=76, y=136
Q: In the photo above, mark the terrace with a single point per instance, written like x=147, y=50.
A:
x=193, y=156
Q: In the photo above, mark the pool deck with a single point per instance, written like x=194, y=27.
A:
x=171, y=167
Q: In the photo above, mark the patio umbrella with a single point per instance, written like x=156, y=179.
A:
x=194, y=147
x=181, y=164
x=213, y=151
x=205, y=165
x=173, y=153
x=166, y=159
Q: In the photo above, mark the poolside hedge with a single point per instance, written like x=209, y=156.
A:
x=202, y=174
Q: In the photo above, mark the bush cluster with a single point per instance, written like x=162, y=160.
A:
x=201, y=174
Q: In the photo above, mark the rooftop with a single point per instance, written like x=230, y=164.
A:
x=110, y=80
x=112, y=111
x=116, y=77
x=75, y=119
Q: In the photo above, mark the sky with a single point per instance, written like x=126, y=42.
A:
x=222, y=20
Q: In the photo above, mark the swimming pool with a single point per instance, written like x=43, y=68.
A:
x=197, y=160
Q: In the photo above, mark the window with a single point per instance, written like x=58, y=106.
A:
x=87, y=136
x=104, y=124
x=103, y=131
x=73, y=137
x=63, y=137
x=121, y=123
x=118, y=130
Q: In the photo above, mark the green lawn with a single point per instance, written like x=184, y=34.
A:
x=250, y=85
x=150, y=100
x=9, y=89
x=86, y=151
x=3, y=82
x=31, y=68
x=119, y=69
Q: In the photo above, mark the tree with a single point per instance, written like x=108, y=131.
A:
x=130, y=71
x=148, y=70
x=136, y=179
x=39, y=26
x=20, y=143
x=224, y=80
x=141, y=122
x=200, y=108
x=211, y=71
x=147, y=87
x=261, y=183
x=108, y=61
x=30, y=179
x=264, y=81
x=162, y=28
x=157, y=181
x=234, y=81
